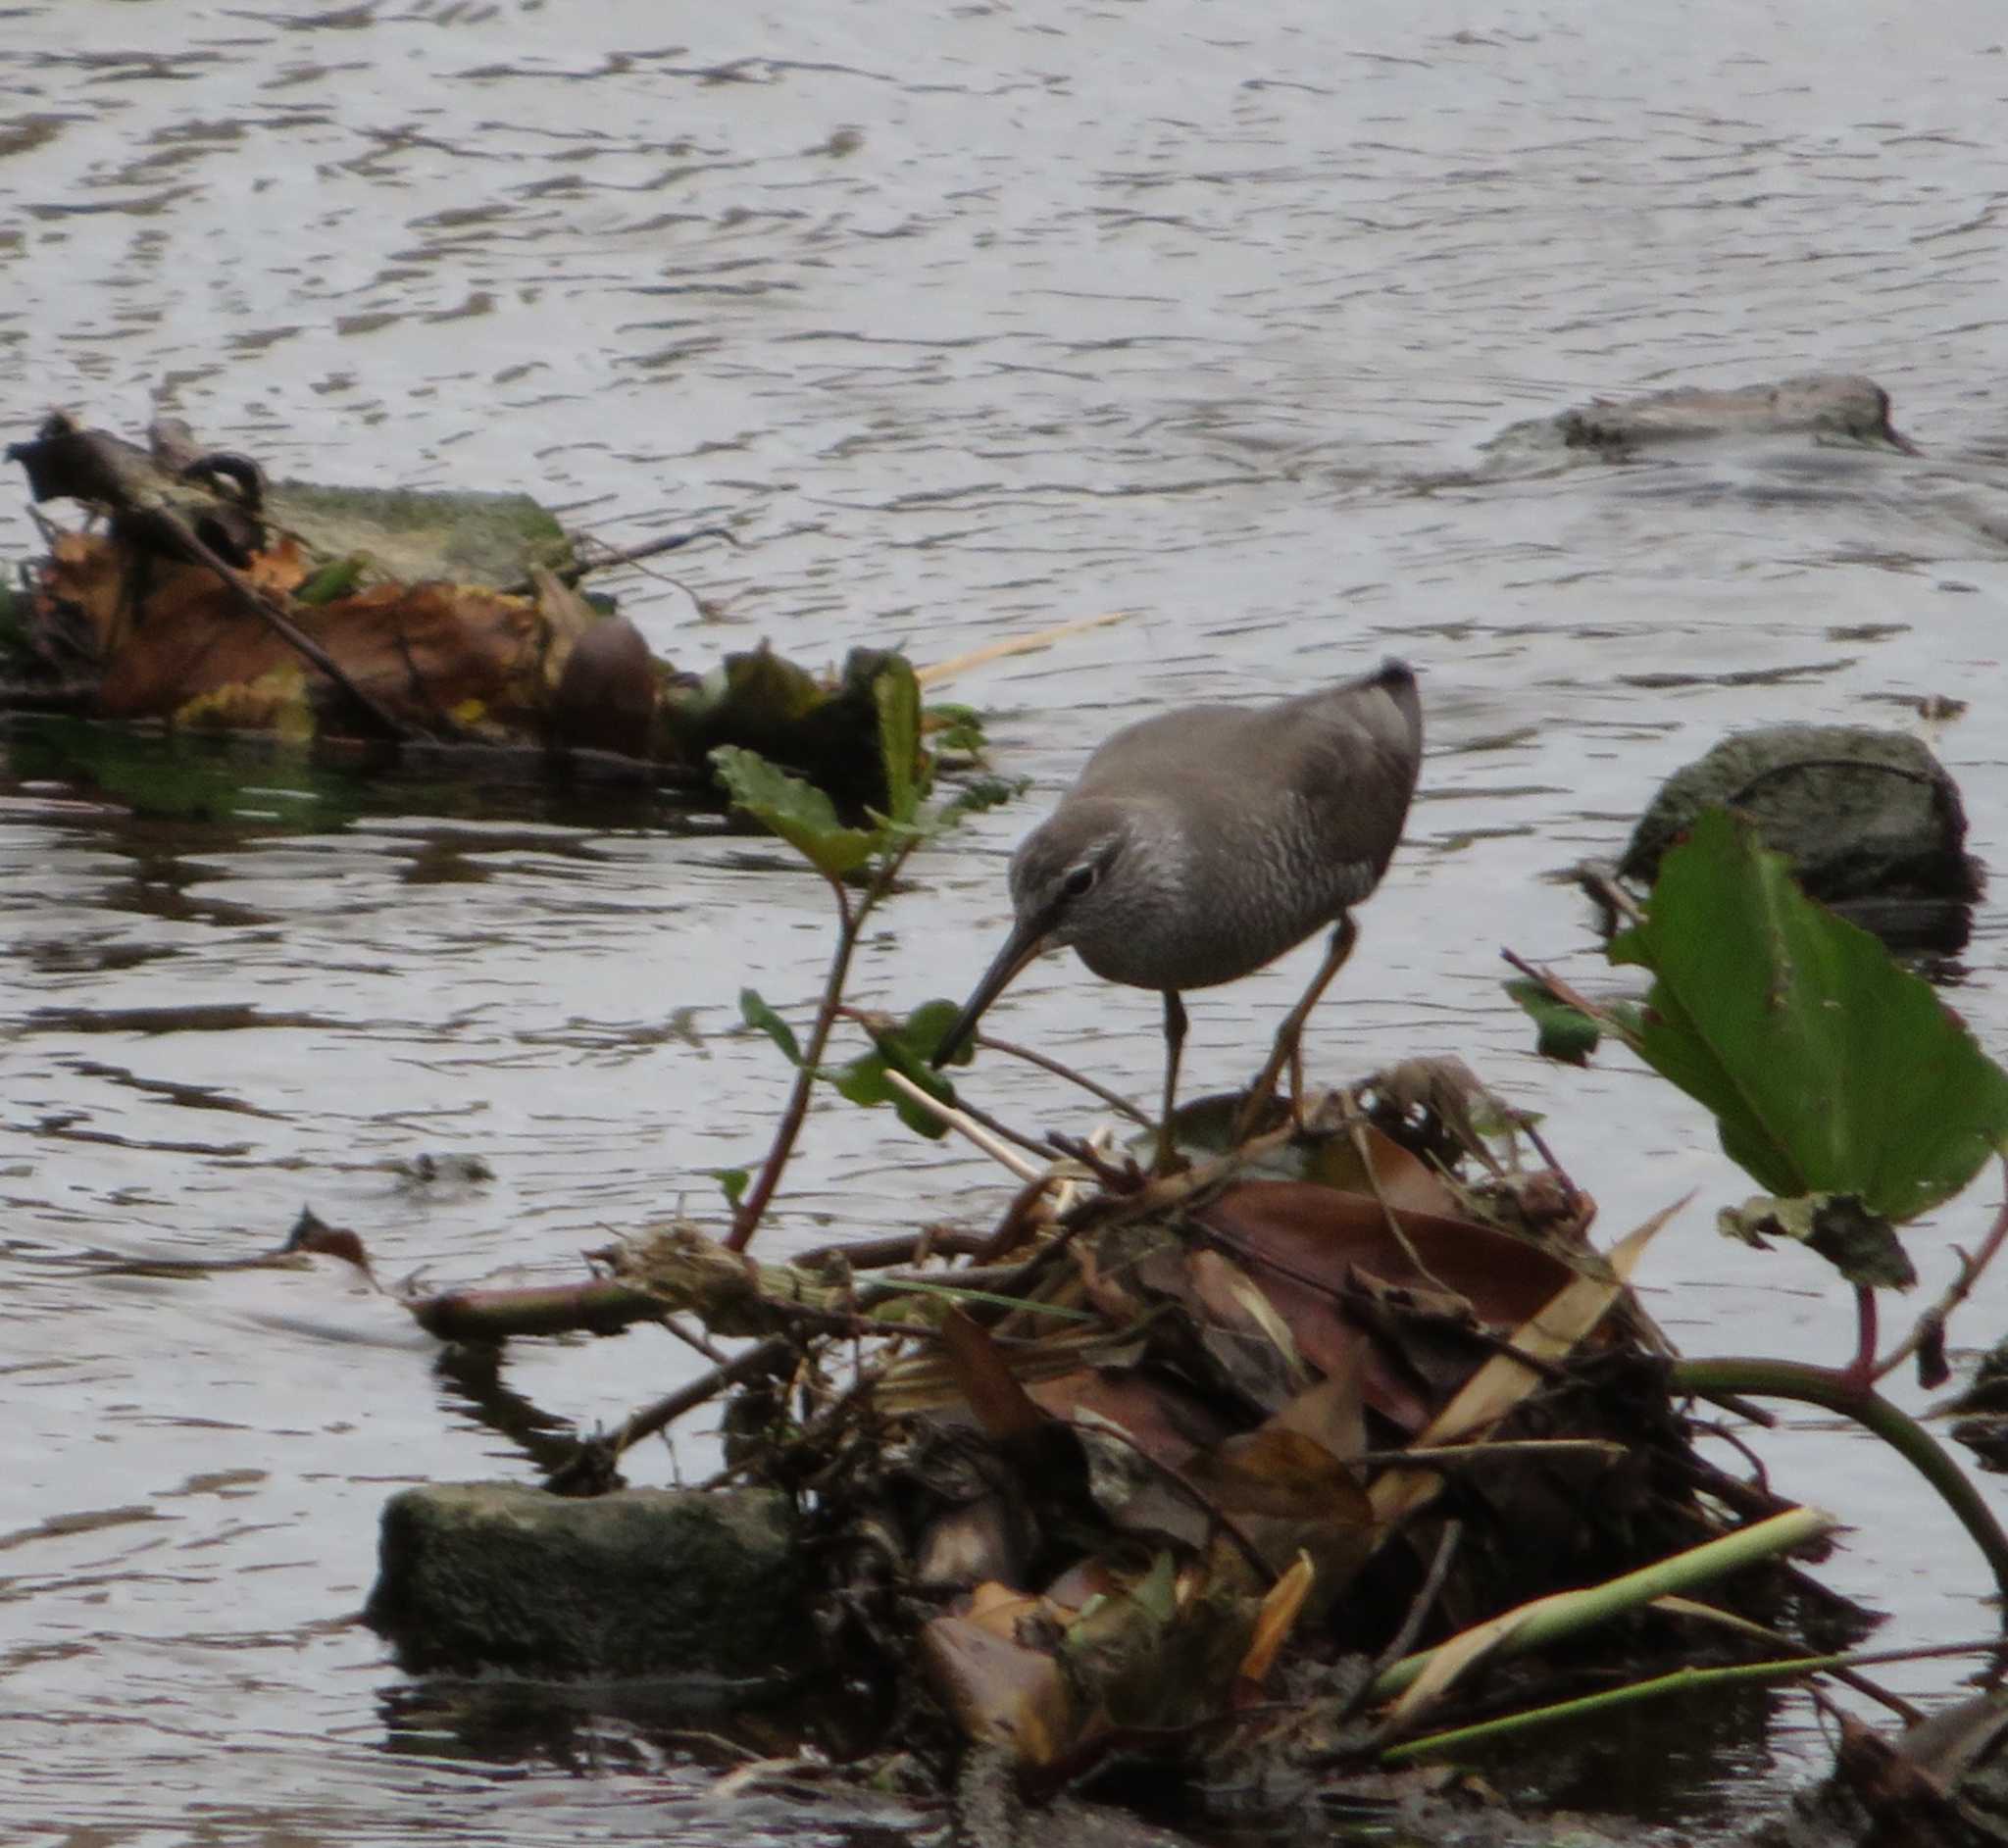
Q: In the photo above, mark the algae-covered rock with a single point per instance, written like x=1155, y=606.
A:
x=406, y=536
x=637, y=1582
x=1870, y=818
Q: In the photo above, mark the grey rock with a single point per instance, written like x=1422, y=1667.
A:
x=1870, y=818
x=637, y=1582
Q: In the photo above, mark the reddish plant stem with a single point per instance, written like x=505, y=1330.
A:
x=746, y=1219
x=850, y=922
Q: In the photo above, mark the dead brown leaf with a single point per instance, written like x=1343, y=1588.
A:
x=1000, y=1692
x=1002, y=1405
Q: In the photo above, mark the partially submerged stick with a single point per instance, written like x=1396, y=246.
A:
x=938, y=671
x=964, y=1125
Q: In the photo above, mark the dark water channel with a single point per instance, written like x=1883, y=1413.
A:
x=970, y=320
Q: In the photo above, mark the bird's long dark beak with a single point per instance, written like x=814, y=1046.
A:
x=1026, y=939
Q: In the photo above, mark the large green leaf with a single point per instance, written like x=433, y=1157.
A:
x=798, y=812
x=1829, y=1069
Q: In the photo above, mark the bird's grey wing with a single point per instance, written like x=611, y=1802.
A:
x=1174, y=747
x=1357, y=773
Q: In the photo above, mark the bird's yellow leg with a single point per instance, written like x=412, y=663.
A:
x=1291, y=1032
x=1174, y=1046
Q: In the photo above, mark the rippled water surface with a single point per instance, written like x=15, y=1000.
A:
x=969, y=321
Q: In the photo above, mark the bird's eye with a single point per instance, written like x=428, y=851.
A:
x=1080, y=879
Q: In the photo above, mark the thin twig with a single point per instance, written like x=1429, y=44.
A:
x=765, y=1358
x=939, y=670
x=1420, y=1607
x=1047, y=1064
x=1620, y=902
x=1559, y=990
x=1533, y=1133
x=1128, y=1179
x=1449, y=1456
x=1000, y=1279
x=1970, y=1271
x=1041, y=1146
x=651, y=548
x=696, y=1338
x=247, y=594
x=964, y=1126
x=897, y=1248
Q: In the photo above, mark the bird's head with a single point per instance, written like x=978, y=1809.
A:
x=1065, y=884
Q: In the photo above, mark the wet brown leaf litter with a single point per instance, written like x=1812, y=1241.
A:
x=202, y=597
x=1276, y=1482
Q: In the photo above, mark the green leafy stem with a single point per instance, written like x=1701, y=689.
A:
x=861, y=864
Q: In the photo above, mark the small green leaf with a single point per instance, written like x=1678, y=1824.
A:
x=1563, y=1032
x=731, y=1182
x=798, y=812
x=924, y=1029
x=906, y=1049
x=862, y=1081
x=1831, y=1070
x=755, y=1012
x=956, y=728
x=334, y=579
x=980, y=793
x=897, y=695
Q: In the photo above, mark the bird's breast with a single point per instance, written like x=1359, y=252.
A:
x=1181, y=945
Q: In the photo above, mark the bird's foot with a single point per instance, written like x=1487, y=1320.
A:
x=1260, y=1111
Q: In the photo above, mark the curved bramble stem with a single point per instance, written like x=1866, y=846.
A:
x=1832, y=1392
